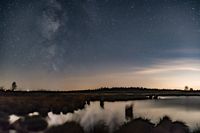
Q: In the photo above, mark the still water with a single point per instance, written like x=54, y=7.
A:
x=185, y=109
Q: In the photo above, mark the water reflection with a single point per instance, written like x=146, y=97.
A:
x=186, y=109
x=129, y=112
x=112, y=115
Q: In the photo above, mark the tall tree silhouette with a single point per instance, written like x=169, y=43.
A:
x=14, y=86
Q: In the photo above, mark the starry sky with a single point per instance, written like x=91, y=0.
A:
x=86, y=44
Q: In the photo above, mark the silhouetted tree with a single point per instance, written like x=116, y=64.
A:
x=2, y=88
x=186, y=88
x=14, y=86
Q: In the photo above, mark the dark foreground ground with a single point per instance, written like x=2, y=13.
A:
x=22, y=103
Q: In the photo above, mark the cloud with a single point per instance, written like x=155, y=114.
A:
x=172, y=65
x=156, y=69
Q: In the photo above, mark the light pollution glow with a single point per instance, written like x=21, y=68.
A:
x=166, y=74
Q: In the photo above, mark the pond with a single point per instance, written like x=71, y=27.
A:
x=185, y=109
x=113, y=114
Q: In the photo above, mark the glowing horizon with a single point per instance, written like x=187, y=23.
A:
x=174, y=76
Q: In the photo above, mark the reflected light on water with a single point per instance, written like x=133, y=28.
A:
x=13, y=118
x=185, y=109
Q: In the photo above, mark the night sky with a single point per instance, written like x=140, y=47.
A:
x=86, y=44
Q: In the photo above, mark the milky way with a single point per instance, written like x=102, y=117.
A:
x=76, y=44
